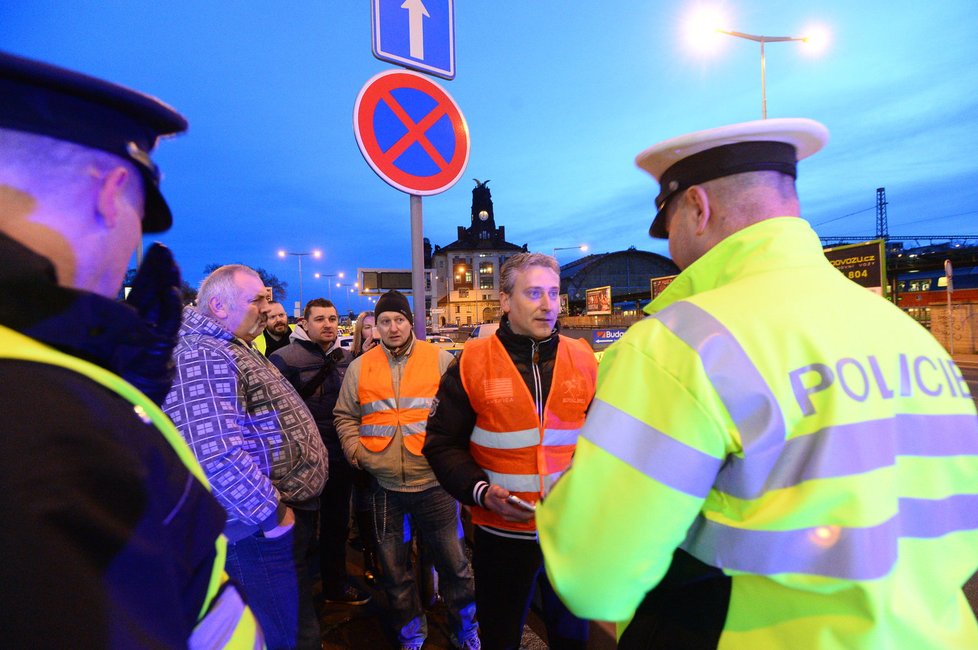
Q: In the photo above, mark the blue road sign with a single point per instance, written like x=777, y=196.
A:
x=416, y=34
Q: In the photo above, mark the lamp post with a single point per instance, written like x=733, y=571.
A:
x=349, y=290
x=329, y=284
x=582, y=247
x=762, y=40
x=316, y=253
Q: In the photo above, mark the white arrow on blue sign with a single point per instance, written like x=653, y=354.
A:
x=416, y=34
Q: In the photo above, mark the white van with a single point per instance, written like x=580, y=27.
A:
x=483, y=330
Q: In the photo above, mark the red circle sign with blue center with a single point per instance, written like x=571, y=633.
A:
x=411, y=132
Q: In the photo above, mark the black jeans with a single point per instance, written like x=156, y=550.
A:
x=334, y=524
x=506, y=571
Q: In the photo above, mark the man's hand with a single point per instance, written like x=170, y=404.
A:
x=495, y=500
x=284, y=526
x=156, y=298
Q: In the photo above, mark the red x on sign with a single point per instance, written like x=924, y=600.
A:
x=411, y=132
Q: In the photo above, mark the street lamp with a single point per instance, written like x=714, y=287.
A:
x=316, y=253
x=703, y=25
x=582, y=247
x=349, y=290
x=330, y=283
x=762, y=40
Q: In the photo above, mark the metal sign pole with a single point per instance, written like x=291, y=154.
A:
x=949, y=272
x=417, y=267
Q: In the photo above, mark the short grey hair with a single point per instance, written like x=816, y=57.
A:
x=58, y=171
x=521, y=262
x=220, y=284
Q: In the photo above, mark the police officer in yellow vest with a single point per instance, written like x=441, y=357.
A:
x=775, y=458
x=505, y=425
x=111, y=537
x=380, y=419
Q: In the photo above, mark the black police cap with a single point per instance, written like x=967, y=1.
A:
x=47, y=100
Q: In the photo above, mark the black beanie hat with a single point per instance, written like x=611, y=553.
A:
x=394, y=301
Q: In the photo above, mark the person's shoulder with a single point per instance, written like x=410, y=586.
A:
x=54, y=401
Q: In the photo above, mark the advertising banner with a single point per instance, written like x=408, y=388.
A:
x=861, y=263
x=603, y=336
x=658, y=285
x=598, y=301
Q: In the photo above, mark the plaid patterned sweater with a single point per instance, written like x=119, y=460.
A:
x=250, y=431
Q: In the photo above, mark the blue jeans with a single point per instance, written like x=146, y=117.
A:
x=273, y=577
x=435, y=515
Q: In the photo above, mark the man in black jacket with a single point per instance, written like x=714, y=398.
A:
x=502, y=430
x=314, y=363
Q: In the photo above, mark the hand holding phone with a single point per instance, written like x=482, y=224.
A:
x=520, y=503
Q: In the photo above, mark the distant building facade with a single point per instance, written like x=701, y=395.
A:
x=464, y=275
x=627, y=272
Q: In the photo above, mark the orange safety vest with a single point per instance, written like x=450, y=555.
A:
x=382, y=412
x=517, y=450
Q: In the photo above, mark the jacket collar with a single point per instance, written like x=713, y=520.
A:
x=773, y=245
x=521, y=343
x=79, y=323
x=301, y=336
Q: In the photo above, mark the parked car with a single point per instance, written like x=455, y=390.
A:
x=346, y=342
x=440, y=340
x=483, y=330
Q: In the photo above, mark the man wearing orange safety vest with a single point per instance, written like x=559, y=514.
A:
x=380, y=419
x=503, y=429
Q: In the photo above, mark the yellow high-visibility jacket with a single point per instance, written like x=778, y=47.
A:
x=797, y=435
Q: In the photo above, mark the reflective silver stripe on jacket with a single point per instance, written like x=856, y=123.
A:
x=524, y=438
x=378, y=430
x=507, y=440
x=523, y=482
x=216, y=629
x=863, y=553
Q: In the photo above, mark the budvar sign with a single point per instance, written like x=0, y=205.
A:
x=607, y=336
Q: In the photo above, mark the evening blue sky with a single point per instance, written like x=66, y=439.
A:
x=559, y=98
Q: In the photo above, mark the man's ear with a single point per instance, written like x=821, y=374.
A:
x=701, y=204
x=504, y=302
x=217, y=308
x=110, y=194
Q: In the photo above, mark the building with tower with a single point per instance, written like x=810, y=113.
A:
x=464, y=275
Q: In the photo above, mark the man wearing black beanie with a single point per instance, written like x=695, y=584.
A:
x=381, y=415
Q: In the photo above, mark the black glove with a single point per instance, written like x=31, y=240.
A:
x=155, y=296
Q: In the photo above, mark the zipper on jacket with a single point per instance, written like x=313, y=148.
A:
x=537, y=384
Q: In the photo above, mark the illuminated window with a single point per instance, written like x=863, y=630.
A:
x=485, y=275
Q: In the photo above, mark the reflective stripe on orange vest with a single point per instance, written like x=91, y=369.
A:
x=517, y=451
x=382, y=412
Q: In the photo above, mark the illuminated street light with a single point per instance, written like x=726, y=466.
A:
x=329, y=284
x=349, y=290
x=582, y=247
x=704, y=25
x=316, y=253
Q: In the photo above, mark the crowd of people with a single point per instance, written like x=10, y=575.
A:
x=747, y=470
